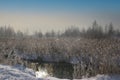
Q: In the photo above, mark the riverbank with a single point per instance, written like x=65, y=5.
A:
x=21, y=73
x=84, y=57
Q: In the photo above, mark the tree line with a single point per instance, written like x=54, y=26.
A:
x=95, y=31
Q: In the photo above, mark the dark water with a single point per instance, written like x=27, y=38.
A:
x=59, y=70
x=74, y=71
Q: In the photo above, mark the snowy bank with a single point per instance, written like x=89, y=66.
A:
x=21, y=73
x=98, y=77
x=16, y=73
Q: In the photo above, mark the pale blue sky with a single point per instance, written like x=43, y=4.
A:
x=58, y=14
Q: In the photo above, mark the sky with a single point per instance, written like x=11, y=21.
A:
x=46, y=15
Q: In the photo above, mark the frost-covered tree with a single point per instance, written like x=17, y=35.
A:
x=110, y=30
x=72, y=32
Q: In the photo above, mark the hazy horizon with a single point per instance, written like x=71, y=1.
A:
x=46, y=15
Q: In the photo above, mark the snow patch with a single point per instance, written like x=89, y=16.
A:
x=41, y=73
x=19, y=72
x=16, y=73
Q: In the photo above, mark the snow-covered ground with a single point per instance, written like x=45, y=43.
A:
x=21, y=73
x=16, y=73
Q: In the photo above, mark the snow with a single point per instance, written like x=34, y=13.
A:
x=16, y=73
x=98, y=77
x=41, y=74
x=19, y=72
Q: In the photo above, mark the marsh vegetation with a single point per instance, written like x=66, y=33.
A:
x=72, y=54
